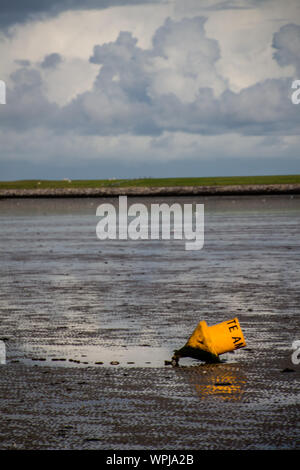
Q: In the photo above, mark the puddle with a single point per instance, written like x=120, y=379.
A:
x=91, y=356
x=95, y=356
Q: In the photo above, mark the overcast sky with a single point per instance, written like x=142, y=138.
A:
x=133, y=88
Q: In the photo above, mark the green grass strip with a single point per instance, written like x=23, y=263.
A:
x=151, y=182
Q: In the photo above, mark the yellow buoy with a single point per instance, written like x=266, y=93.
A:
x=208, y=342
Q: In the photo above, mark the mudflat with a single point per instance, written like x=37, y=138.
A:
x=89, y=324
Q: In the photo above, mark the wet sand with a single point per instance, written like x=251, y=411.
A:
x=88, y=326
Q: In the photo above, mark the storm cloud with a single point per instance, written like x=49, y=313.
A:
x=18, y=11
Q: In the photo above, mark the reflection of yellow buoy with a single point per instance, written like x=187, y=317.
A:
x=224, y=382
x=207, y=342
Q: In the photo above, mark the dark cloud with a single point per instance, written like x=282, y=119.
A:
x=51, y=60
x=286, y=43
x=20, y=11
x=261, y=109
x=27, y=106
x=23, y=62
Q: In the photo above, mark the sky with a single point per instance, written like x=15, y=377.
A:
x=140, y=88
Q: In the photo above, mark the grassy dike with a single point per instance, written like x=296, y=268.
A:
x=234, y=185
x=152, y=182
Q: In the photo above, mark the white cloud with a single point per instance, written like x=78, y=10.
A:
x=244, y=30
x=74, y=33
x=185, y=60
x=72, y=77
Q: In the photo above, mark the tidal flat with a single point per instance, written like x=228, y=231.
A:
x=88, y=325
